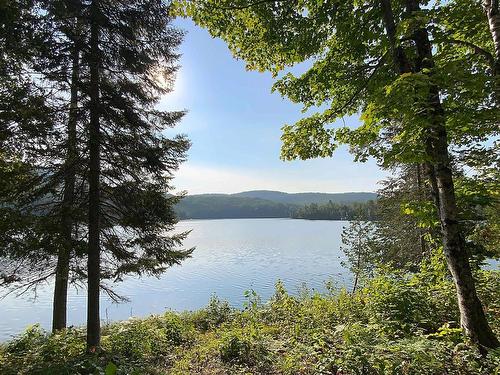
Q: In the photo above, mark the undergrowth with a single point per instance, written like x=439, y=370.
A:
x=396, y=324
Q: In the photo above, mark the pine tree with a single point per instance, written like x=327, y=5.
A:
x=131, y=58
x=49, y=198
x=406, y=219
x=100, y=71
x=27, y=126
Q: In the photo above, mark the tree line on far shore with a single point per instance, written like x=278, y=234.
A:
x=218, y=206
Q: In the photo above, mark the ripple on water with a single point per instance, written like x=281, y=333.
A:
x=231, y=256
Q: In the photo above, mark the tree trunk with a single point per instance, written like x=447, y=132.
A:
x=492, y=11
x=358, y=267
x=421, y=234
x=401, y=62
x=63, y=258
x=93, y=266
x=473, y=319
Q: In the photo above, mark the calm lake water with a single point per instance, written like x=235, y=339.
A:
x=231, y=256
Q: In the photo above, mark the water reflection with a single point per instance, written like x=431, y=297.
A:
x=231, y=256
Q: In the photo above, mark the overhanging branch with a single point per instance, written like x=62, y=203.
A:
x=477, y=50
x=249, y=5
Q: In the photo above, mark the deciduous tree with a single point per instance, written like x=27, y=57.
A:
x=376, y=58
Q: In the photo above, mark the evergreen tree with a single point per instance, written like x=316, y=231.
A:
x=27, y=126
x=50, y=196
x=406, y=219
x=131, y=57
x=100, y=71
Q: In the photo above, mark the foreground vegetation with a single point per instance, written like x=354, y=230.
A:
x=396, y=324
x=86, y=168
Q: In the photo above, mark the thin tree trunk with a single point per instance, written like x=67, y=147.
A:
x=356, y=277
x=358, y=269
x=423, y=248
x=62, y=269
x=473, y=319
x=492, y=11
x=93, y=320
x=401, y=62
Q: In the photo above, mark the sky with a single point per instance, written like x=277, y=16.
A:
x=234, y=123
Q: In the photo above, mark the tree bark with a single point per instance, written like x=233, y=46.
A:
x=401, y=62
x=492, y=11
x=63, y=259
x=473, y=319
x=93, y=265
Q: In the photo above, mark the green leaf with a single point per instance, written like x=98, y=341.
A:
x=111, y=369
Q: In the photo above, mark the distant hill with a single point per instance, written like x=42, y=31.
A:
x=222, y=206
x=258, y=204
x=307, y=198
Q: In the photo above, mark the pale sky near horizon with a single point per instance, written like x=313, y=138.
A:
x=234, y=123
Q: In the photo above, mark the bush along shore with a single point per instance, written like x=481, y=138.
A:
x=396, y=323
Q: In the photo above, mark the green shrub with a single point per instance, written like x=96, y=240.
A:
x=141, y=339
x=401, y=305
x=214, y=315
x=246, y=346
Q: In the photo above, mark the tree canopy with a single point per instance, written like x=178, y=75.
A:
x=350, y=70
x=421, y=76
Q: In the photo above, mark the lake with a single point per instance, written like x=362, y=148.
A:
x=231, y=256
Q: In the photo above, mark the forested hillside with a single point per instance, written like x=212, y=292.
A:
x=308, y=198
x=269, y=204
x=220, y=206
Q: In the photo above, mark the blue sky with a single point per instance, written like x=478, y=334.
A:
x=234, y=123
